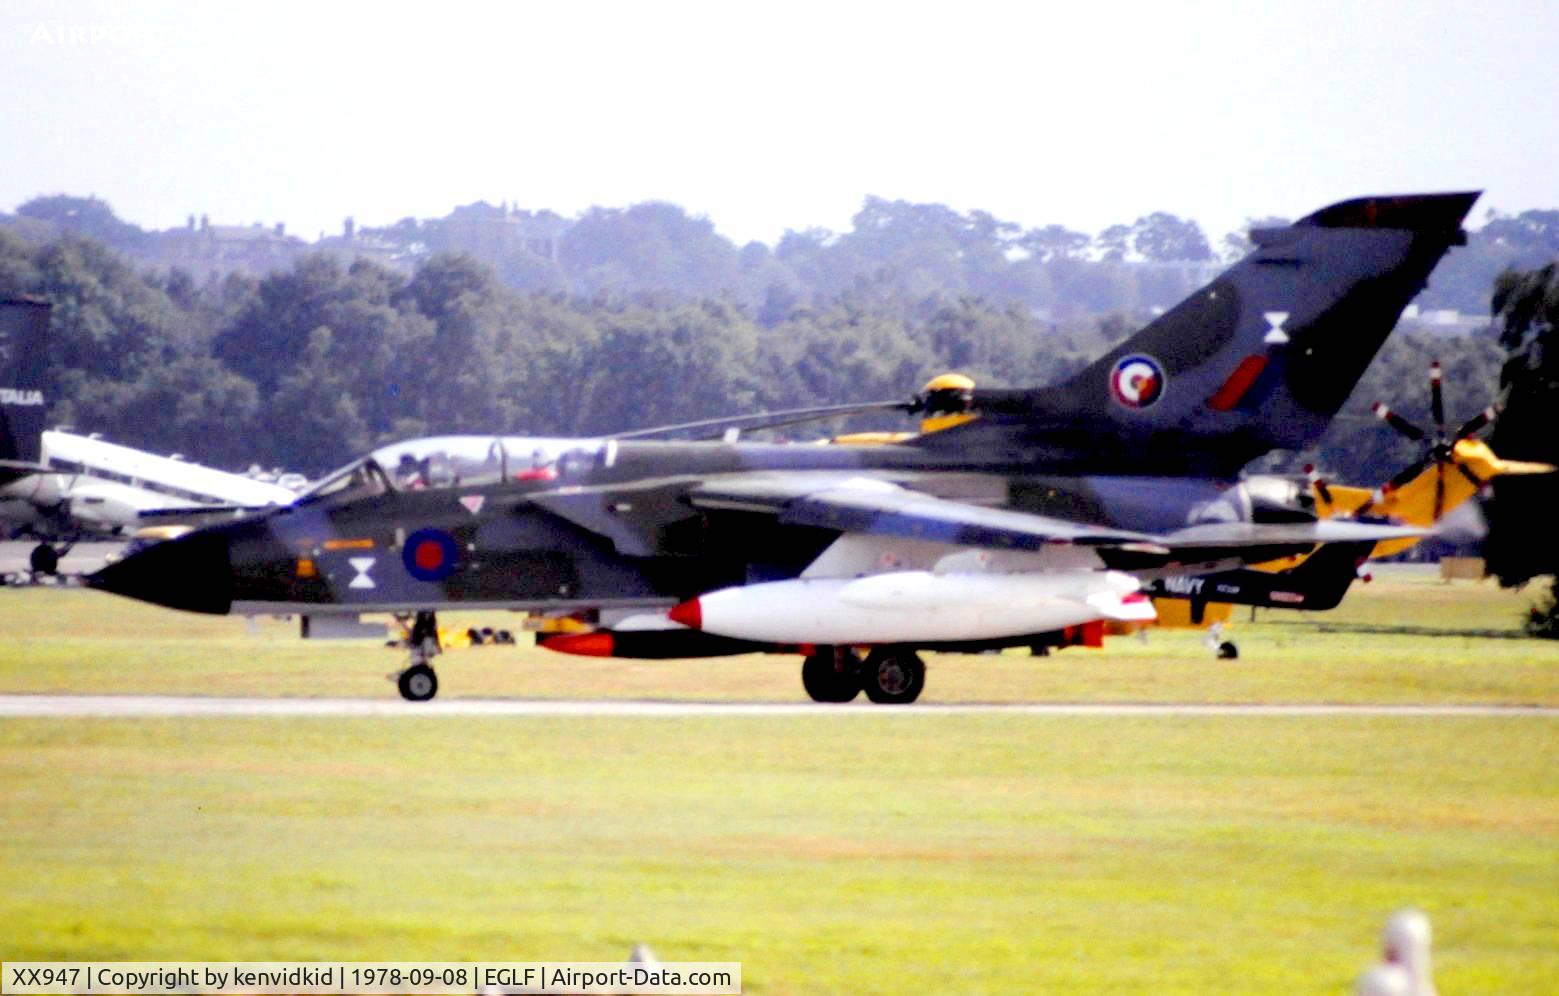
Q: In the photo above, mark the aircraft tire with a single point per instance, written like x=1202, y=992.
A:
x=894, y=676
x=1227, y=651
x=417, y=683
x=831, y=675
x=44, y=559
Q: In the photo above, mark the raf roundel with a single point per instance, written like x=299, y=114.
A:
x=1137, y=381
x=430, y=555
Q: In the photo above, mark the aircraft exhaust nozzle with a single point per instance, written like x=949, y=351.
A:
x=914, y=607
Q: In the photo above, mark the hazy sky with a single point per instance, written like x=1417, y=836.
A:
x=767, y=116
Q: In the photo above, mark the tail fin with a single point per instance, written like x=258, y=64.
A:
x=24, y=326
x=1261, y=358
x=1315, y=585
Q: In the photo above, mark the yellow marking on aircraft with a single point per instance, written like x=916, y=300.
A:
x=948, y=383
x=936, y=423
x=870, y=438
x=349, y=544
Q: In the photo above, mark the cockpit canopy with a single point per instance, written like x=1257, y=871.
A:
x=458, y=461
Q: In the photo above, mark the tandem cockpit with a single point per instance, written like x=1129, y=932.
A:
x=458, y=461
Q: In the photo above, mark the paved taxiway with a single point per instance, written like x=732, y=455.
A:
x=83, y=558
x=156, y=706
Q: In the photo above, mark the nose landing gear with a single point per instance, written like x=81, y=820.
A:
x=419, y=683
x=1214, y=641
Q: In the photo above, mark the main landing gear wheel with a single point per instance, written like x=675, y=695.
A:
x=417, y=683
x=1227, y=651
x=833, y=674
x=893, y=676
x=44, y=560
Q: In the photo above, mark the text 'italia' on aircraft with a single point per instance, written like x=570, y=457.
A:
x=1026, y=517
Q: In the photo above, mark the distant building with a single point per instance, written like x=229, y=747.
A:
x=1444, y=322
x=493, y=232
x=207, y=249
x=353, y=245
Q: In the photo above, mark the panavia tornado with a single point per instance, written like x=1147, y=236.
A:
x=1024, y=518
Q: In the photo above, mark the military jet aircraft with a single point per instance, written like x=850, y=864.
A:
x=1031, y=513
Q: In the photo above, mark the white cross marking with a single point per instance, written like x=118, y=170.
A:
x=362, y=565
x=1276, y=336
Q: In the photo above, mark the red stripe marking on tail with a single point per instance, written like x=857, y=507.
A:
x=1240, y=381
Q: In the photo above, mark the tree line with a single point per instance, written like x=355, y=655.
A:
x=308, y=366
x=893, y=248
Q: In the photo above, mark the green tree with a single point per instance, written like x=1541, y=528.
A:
x=1053, y=242
x=1466, y=279
x=311, y=420
x=192, y=405
x=1113, y=243
x=1238, y=243
x=1163, y=238
x=85, y=216
x=672, y=365
x=1523, y=540
x=441, y=282
x=108, y=322
x=649, y=246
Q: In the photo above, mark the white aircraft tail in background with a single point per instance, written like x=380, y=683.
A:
x=59, y=486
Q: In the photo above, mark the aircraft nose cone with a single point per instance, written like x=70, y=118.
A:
x=193, y=573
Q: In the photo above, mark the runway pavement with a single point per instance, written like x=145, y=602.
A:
x=158, y=706
x=82, y=559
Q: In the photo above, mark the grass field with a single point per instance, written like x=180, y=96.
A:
x=82, y=641
x=947, y=854
x=993, y=853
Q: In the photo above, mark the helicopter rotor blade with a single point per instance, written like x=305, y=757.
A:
x=1319, y=484
x=1477, y=422
x=1439, y=490
x=1472, y=478
x=1408, y=474
x=1436, y=399
x=1397, y=422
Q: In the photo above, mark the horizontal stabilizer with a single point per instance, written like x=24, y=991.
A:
x=15, y=470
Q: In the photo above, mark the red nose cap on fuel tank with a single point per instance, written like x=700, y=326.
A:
x=688, y=614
